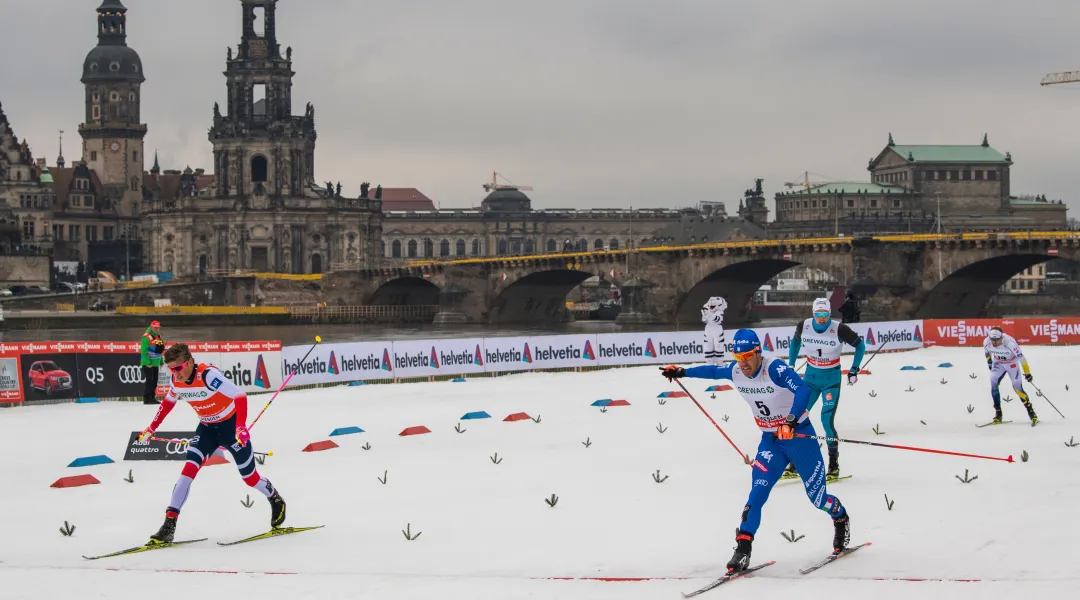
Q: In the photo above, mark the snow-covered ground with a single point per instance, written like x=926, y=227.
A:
x=486, y=530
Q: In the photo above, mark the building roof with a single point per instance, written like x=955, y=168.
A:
x=404, y=199
x=62, y=184
x=950, y=154
x=846, y=187
x=167, y=185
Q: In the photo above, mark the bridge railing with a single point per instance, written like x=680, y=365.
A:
x=887, y=238
x=623, y=252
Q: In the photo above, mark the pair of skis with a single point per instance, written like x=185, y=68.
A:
x=732, y=576
x=277, y=531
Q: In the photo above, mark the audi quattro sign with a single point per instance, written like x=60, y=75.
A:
x=155, y=450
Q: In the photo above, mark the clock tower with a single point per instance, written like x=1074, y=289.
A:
x=111, y=132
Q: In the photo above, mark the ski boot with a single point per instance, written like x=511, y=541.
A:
x=790, y=473
x=834, y=468
x=165, y=534
x=841, y=533
x=740, y=561
x=1031, y=413
x=277, y=510
x=997, y=416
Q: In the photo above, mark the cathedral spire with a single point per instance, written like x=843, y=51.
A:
x=156, y=169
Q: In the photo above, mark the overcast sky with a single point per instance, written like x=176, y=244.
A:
x=596, y=103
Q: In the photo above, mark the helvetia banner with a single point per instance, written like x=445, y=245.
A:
x=892, y=335
x=338, y=363
x=650, y=348
x=437, y=357
x=539, y=352
x=157, y=450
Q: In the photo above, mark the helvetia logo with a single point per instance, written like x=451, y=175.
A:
x=870, y=337
x=768, y=343
x=386, y=360
x=650, y=350
x=479, y=359
x=262, y=379
x=918, y=334
x=526, y=354
x=434, y=358
x=588, y=352
x=333, y=368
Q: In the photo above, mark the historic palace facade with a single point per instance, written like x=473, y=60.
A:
x=262, y=208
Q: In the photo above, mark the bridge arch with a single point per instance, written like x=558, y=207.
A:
x=402, y=291
x=736, y=282
x=538, y=297
x=967, y=291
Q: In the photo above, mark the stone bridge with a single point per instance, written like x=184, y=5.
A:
x=896, y=277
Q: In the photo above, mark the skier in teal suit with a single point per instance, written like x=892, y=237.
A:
x=824, y=339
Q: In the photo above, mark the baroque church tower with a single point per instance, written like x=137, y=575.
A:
x=111, y=132
x=262, y=153
x=260, y=211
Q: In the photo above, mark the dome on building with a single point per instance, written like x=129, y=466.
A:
x=506, y=199
x=46, y=177
x=112, y=63
x=112, y=59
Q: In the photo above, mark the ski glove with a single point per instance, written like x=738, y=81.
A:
x=242, y=436
x=852, y=376
x=787, y=430
x=672, y=372
x=1028, y=377
x=146, y=434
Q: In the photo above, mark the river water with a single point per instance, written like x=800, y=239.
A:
x=300, y=334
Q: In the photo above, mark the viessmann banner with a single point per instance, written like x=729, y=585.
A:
x=31, y=372
x=1041, y=331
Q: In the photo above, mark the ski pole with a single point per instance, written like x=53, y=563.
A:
x=170, y=441
x=1047, y=399
x=876, y=352
x=283, y=384
x=755, y=463
x=896, y=447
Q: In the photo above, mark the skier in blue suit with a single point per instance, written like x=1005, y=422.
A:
x=779, y=399
x=824, y=340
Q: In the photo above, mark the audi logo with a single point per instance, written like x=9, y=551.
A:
x=177, y=447
x=130, y=374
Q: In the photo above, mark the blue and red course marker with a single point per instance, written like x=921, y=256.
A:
x=604, y=402
x=475, y=415
x=719, y=388
x=346, y=431
x=74, y=481
x=416, y=430
x=517, y=417
x=861, y=372
x=619, y=403
x=317, y=446
x=87, y=461
x=672, y=395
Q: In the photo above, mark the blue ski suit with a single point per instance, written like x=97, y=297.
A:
x=773, y=393
x=823, y=373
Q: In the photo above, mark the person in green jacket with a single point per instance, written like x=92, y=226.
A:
x=150, y=349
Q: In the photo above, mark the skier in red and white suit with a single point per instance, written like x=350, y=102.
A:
x=222, y=409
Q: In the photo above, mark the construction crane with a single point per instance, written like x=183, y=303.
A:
x=806, y=183
x=509, y=185
x=1063, y=77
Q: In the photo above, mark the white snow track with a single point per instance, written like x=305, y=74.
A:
x=487, y=532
